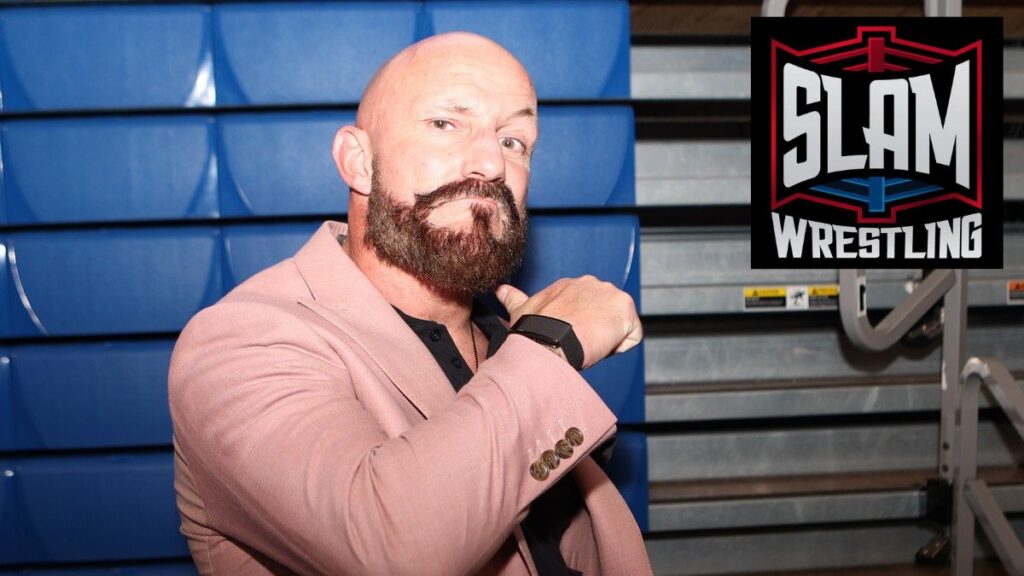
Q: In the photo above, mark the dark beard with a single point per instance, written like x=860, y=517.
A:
x=458, y=263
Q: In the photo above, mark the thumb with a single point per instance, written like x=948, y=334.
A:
x=510, y=297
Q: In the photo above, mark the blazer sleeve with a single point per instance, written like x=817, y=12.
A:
x=289, y=461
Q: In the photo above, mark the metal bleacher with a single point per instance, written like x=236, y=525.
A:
x=775, y=444
x=154, y=155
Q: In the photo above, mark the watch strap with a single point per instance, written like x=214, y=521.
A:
x=551, y=332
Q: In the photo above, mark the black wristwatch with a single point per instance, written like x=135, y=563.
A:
x=553, y=333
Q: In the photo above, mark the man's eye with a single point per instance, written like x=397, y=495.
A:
x=442, y=124
x=513, y=144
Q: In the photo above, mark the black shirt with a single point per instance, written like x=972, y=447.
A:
x=552, y=511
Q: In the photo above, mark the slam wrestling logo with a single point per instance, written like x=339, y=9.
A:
x=876, y=143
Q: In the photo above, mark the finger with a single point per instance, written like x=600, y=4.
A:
x=511, y=297
x=633, y=337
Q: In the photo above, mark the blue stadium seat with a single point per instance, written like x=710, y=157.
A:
x=6, y=403
x=280, y=163
x=249, y=249
x=291, y=53
x=5, y=285
x=584, y=158
x=573, y=49
x=89, y=508
x=604, y=246
x=73, y=57
x=109, y=169
x=95, y=395
x=111, y=281
x=619, y=381
x=181, y=568
x=628, y=470
x=8, y=521
x=7, y=410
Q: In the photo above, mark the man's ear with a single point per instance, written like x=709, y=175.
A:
x=353, y=156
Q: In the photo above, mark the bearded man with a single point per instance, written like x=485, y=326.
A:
x=354, y=410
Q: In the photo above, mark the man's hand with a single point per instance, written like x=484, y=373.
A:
x=603, y=317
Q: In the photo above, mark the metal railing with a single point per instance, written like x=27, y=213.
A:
x=958, y=435
x=931, y=7
x=951, y=287
x=973, y=498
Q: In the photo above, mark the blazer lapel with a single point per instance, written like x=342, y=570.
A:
x=345, y=297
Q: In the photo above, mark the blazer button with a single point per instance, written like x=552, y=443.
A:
x=539, y=471
x=574, y=436
x=550, y=459
x=563, y=449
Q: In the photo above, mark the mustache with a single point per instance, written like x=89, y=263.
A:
x=495, y=190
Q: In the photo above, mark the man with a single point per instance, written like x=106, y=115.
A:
x=352, y=411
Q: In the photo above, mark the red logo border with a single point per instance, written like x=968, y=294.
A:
x=975, y=202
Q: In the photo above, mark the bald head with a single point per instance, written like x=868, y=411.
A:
x=431, y=61
x=447, y=113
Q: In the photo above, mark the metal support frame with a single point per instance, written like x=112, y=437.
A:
x=931, y=7
x=974, y=500
x=853, y=303
x=943, y=7
x=948, y=285
x=958, y=436
x=954, y=344
x=774, y=7
x=951, y=287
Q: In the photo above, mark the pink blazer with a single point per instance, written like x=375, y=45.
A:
x=315, y=434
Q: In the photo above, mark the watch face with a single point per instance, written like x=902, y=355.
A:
x=562, y=332
x=543, y=329
x=551, y=332
x=544, y=339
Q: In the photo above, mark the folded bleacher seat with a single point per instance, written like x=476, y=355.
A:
x=573, y=49
x=88, y=508
x=603, y=245
x=109, y=168
x=7, y=412
x=86, y=395
x=83, y=282
x=105, y=57
x=584, y=158
x=280, y=164
x=303, y=52
x=184, y=567
x=249, y=249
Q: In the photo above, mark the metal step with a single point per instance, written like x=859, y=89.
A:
x=675, y=405
x=776, y=451
x=792, y=501
x=981, y=568
x=723, y=72
x=745, y=552
x=837, y=549
x=796, y=371
x=717, y=172
x=704, y=271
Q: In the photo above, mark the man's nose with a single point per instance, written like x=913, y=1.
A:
x=483, y=158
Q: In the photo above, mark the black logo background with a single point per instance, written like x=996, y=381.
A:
x=807, y=33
